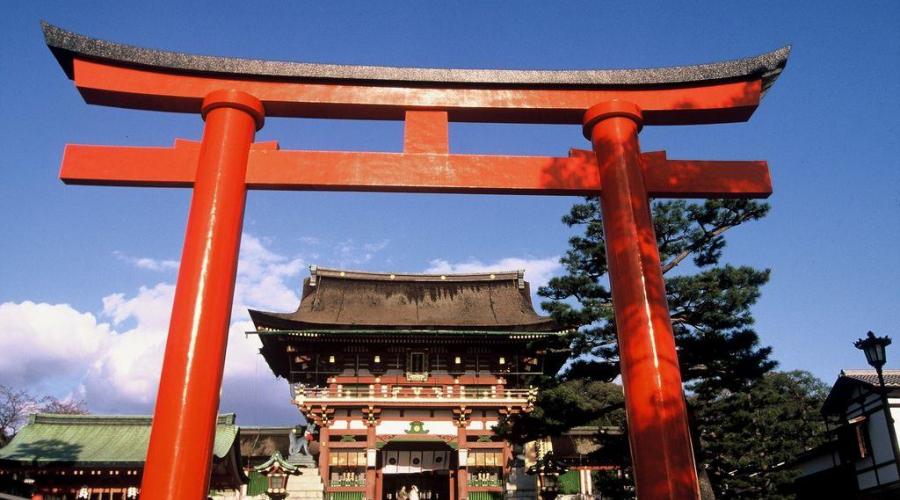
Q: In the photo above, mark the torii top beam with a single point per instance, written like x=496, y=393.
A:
x=113, y=74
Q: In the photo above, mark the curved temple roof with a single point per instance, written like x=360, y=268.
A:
x=348, y=300
x=66, y=45
x=96, y=440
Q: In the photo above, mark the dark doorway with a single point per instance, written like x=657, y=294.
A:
x=432, y=485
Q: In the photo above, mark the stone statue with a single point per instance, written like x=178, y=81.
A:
x=299, y=438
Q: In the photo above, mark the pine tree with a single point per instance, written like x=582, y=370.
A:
x=719, y=352
x=710, y=309
x=749, y=437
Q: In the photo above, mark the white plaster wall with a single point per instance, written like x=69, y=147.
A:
x=895, y=414
x=880, y=438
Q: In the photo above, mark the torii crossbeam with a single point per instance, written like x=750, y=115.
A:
x=234, y=96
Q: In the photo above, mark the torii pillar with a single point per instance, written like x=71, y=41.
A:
x=654, y=399
x=234, y=95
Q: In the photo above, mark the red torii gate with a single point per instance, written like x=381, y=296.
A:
x=234, y=95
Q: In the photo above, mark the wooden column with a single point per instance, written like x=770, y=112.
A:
x=371, y=479
x=379, y=484
x=324, y=452
x=462, y=476
x=454, y=488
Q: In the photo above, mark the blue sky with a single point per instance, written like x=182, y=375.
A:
x=86, y=272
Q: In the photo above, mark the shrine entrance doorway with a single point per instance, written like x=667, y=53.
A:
x=432, y=485
x=425, y=465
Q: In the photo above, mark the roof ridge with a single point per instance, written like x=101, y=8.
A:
x=498, y=275
x=869, y=371
x=312, y=331
x=69, y=419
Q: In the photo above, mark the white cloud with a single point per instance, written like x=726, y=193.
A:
x=150, y=308
x=113, y=360
x=147, y=263
x=350, y=253
x=43, y=343
x=537, y=271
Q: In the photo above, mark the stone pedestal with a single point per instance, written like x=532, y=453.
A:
x=305, y=485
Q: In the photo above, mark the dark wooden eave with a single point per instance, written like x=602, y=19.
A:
x=347, y=300
x=67, y=45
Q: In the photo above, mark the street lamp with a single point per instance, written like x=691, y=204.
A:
x=875, y=355
x=874, y=348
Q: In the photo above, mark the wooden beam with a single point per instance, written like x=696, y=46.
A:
x=271, y=168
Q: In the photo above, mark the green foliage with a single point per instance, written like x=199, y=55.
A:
x=726, y=371
x=747, y=437
x=710, y=310
x=566, y=405
x=613, y=484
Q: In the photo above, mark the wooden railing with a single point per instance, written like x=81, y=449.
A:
x=482, y=393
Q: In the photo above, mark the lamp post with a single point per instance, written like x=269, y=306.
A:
x=876, y=356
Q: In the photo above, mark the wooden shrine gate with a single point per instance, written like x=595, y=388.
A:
x=233, y=96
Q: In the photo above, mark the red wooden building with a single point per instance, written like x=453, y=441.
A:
x=405, y=375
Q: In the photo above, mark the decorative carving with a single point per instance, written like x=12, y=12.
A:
x=322, y=416
x=417, y=427
x=461, y=415
x=531, y=399
x=371, y=415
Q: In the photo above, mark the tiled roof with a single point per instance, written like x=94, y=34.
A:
x=335, y=299
x=96, y=440
x=891, y=377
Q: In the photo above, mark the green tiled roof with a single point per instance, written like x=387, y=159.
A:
x=96, y=440
x=258, y=484
x=485, y=495
x=570, y=483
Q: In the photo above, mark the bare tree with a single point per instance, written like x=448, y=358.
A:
x=17, y=404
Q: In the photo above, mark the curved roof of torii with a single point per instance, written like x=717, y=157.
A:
x=66, y=45
x=351, y=300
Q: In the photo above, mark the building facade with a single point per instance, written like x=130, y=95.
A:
x=101, y=457
x=860, y=460
x=404, y=376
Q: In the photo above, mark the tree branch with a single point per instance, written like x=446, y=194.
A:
x=668, y=266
